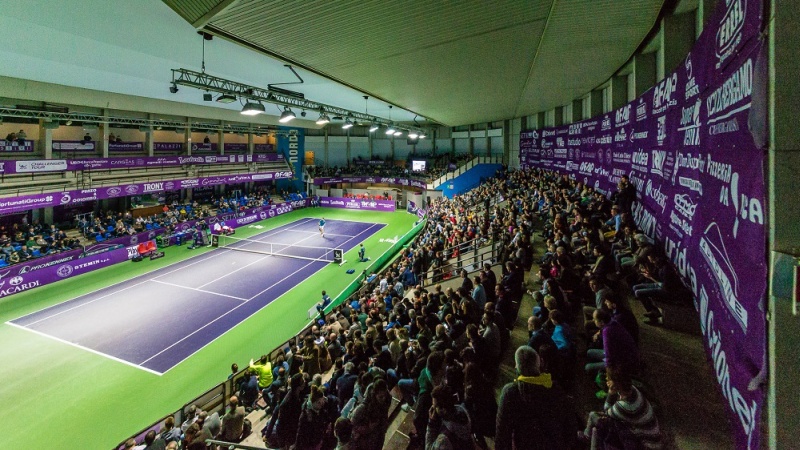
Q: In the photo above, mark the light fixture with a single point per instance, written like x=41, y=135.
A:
x=207, y=97
x=252, y=109
x=413, y=134
x=347, y=124
x=390, y=129
x=374, y=127
x=226, y=98
x=323, y=118
x=398, y=133
x=159, y=127
x=422, y=135
x=173, y=88
x=68, y=123
x=287, y=115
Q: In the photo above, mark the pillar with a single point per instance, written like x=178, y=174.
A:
x=250, y=144
x=677, y=38
x=596, y=103
x=577, y=111
x=644, y=73
x=45, y=141
x=558, y=116
x=618, y=91
x=221, y=138
x=784, y=235
x=187, y=137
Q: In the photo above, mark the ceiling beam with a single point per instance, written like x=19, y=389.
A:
x=213, y=12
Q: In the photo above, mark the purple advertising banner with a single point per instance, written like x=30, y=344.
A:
x=126, y=146
x=250, y=216
x=694, y=146
x=73, y=146
x=211, y=147
x=25, y=281
x=14, y=147
x=371, y=180
x=354, y=203
x=63, y=165
x=27, y=202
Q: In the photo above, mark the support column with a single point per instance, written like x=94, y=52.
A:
x=149, y=145
x=45, y=141
x=221, y=138
x=47, y=216
x=577, y=111
x=618, y=91
x=677, y=38
x=102, y=138
x=325, y=149
x=596, y=103
x=470, y=142
x=187, y=137
x=250, y=144
x=783, y=314
x=644, y=73
x=558, y=116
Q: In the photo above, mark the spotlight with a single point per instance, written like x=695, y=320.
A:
x=390, y=130
x=286, y=116
x=159, y=127
x=374, y=127
x=413, y=134
x=173, y=88
x=398, y=133
x=302, y=113
x=252, y=109
x=422, y=135
x=347, y=124
x=68, y=123
x=226, y=98
x=323, y=118
x=207, y=97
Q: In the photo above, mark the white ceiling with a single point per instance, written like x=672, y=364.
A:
x=454, y=62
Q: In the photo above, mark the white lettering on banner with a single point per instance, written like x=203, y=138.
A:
x=153, y=187
x=637, y=182
x=620, y=136
x=605, y=124
x=685, y=205
x=640, y=158
x=607, y=139
x=681, y=225
x=656, y=194
x=641, y=110
x=690, y=124
x=638, y=135
x=560, y=153
x=133, y=252
x=661, y=133
x=572, y=166
x=662, y=94
x=745, y=207
x=724, y=127
x=623, y=116
x=27, y=269
x=691, y=88
x=586, y=168
x=736, y=88
x=293, y=146
x=712, y=247
x=575, y=128
x=659, y=156
x=18, y=288
x=246, y=220
x=559, y=141
x=548, y=133
x=679, y=258
x=736, y=401
x=719, y=170
x=190, y=183
x=729, y=33
x=573, y=142
x=53, y=165
x=691, y=183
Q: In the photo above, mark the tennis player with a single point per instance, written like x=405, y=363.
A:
x=362, y=253
x=322, y=227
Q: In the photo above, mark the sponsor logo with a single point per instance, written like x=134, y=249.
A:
x=729, y=33
x=737, y=403
x=271, y=213
x=719, y=170
x=586, y=168
x=64, y=271
x=283, y=175
x=607, y=139
x=27, y=269
x=690, y=124
x=560, y=153
x=546, y=144
x=620, y=136
x=262, y=215
x=16, y=281
x=548, y=133
x=712, y=247
x=560, y=142
x=641, y=110
x=684, y=205
x=190, y=183
x=691, y=89
x=605, y=124
x=640, y=158
x=572, y=166
x=692, y=184
x=638, y=135
x=656, y=195
x=745, y=207
x=609, y=158
x=571, y=153
x=132, y=189
x=246, y=220
x=212, y=181
x=736, y=88
x=133, y=252
x=659, y=156
x=191, y=159
x=575, y=128
x=262, y=176
x=623, y=116
x=114, y=191
x=644, y=219
x=724, y=127
x=661, y=134
x=65, y=198
x=662, y=94
x=153, y=187
x=575, y=141
x=18, y=288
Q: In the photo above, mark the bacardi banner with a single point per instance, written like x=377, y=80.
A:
x=27, y=202
x=371, y=180
x=354, y=203
x=694, y=147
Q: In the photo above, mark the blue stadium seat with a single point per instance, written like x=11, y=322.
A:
x=36, y=253
x=99, y=238
x=148, y=226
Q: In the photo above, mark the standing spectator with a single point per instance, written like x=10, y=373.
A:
x=534, y=413
x=232, y=422
x=21, y=136
x=286, y=419
x=479, y=293
x=449, y=424
x=370, y=419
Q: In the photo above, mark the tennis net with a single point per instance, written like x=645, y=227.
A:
x=275, y=248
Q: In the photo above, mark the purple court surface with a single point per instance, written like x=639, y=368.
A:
x=159, y=319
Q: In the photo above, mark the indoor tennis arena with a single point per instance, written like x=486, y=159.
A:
x=540, y=224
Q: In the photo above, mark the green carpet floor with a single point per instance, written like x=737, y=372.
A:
x=60, y=396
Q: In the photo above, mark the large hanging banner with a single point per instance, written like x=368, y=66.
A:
x=694, y=146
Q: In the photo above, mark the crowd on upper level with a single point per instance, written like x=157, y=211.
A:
x=437, y=166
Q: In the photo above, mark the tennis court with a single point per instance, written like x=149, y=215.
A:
x=159, y=319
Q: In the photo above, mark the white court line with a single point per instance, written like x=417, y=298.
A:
x=118, y=291
x=381, y=225
x=85, y=348
x=234, y=271
x=199, y=290
x=317, y=232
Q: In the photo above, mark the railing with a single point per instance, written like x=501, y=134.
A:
x=470, y=255
x=465, y=167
